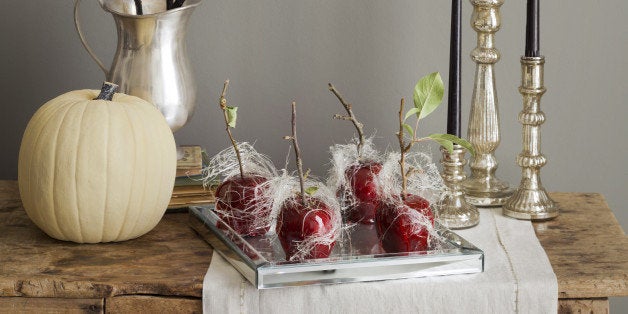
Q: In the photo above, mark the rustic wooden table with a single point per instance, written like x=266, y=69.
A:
x=588, y=252
x=163, y=270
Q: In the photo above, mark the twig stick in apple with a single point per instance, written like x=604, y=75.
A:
x=297, y=151
x=351, y=117
x=223, y=107
x=404, y=148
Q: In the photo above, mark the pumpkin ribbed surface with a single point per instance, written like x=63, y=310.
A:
x=96, y=170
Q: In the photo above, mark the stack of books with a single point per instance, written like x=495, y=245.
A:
x=188, y=186
x=189, y=162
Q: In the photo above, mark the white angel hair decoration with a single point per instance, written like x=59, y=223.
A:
x=355, y=179
x=243, y=199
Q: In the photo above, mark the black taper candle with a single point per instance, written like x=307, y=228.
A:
x=532, y=29
x=453, y=105
x=138, y=7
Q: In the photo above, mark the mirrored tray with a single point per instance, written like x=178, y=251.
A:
x=357, y=256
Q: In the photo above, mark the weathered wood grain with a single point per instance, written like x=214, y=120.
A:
x=170, y=260
x=583, y=306
x=152, y=304
x=9, y=195
x=586, y=246
x=16, y=305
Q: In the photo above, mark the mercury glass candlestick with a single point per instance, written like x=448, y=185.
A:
x=531, y=201
x=482, y=187
x=454, y=211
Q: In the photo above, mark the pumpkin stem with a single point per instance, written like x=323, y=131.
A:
x=107, y=91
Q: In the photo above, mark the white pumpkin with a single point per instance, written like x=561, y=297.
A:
x=95, y=170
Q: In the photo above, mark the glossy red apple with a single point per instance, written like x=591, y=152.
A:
x=306, y=231
x=241, y=203
x=362, y=178
x=401, y=225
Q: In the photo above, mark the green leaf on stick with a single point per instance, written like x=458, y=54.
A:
x=409, y=130
x=449, y=145
x=448, y=141
x=428, y=94
x=311, y=190
x=232, y=116
x=411, y=112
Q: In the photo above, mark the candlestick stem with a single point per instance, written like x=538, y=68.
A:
x=531, y=201
x=482, y=187
x=454, y=211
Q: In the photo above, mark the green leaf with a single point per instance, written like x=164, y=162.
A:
x=411, y=112
x=428, y=94
x=447, y=141
x=311, y=190
x=232, y=116
x=464, y=143
x=449, y=145
x=409, y=129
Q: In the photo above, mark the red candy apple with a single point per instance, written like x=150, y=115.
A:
x=362, y=179
x=306, y=231
x=364, y=197
x=240, y=199
x=241, y=203
x=306, y=225
x=402, y=224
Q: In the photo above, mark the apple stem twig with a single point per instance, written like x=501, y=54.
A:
x=404, y=148
x=223, y=107
x=350, y=117
x=297, y=151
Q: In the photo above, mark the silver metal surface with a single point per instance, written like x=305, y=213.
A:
x=454, y=211
x=261, y=259
x=530, y=200
x=482, y=188
x=151, y=59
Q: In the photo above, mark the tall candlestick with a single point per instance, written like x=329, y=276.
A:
x=483, y=188
x=531, y=201
x=532, y=29
x=453, y=105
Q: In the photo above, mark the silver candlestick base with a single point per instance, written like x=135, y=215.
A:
x=454, y=211
x=482, y=187
x=531, y=201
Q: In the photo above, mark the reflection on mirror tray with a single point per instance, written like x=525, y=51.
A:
x=357, y=257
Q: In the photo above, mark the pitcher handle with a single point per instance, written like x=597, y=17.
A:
x=77, y=24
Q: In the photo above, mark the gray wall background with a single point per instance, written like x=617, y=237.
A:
x=276, y=51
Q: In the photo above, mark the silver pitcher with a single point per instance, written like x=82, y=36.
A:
x=151, y=59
